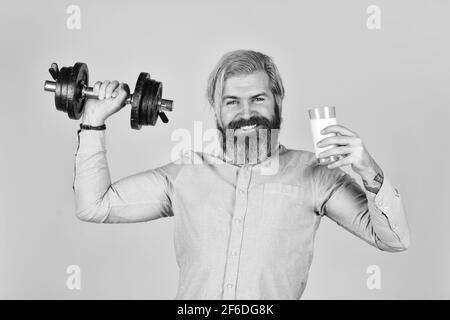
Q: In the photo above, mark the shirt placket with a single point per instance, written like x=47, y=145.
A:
x=237, y=230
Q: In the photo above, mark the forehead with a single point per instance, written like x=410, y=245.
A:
x=246, y=84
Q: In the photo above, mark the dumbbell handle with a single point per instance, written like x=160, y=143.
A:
x=88, y=92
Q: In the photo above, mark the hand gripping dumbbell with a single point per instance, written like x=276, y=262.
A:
x=71, y=91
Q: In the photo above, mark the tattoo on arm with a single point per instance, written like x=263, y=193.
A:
x=375, y=184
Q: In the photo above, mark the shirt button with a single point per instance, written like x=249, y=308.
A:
x=234, y=253
x=238, y=221
x=241, y=191
x=230, y=285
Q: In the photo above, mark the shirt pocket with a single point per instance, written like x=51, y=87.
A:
x=285, y=206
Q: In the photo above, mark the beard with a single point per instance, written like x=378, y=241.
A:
x=254, y=145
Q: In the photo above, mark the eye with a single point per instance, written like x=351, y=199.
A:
x=259, y=99
x=231, y=102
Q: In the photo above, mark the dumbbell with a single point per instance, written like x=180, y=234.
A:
x=71, y=91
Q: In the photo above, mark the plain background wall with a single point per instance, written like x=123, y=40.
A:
x=390, y=85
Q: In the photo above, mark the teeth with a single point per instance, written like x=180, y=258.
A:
x=248, y=127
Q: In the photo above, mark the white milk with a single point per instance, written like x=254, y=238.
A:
x=316, y=126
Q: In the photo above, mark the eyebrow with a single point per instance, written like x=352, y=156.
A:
x=263, y=93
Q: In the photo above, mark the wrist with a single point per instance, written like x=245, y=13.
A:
x=369, y=171
x=369, y=174
x=92, y=121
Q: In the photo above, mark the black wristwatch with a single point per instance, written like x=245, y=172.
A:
x=89, y=127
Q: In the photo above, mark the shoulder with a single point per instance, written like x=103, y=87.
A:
x=304, y=157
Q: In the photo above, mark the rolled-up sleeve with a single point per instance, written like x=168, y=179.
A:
x=379, y=219
x=140, y=197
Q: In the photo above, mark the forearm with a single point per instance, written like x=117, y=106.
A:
x=388, y=218
x=92, y=179
x=377, y=218
x=386, y=212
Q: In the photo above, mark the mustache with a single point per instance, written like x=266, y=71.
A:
x=254, y=120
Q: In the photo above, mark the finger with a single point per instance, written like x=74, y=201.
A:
x=110, y=88
x=96, y=87
x=336, y=128
x=340, y=163
x=335, y=151
x=122, y=92
x=102, y=91
x=339, y=140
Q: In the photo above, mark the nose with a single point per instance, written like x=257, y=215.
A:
x=246, y=110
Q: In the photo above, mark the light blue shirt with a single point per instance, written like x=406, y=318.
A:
x=241, y=232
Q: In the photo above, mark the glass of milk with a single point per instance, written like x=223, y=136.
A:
x=320, y=118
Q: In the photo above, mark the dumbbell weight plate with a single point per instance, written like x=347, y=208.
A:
x=65, y=89
x=78, y=76
x=136, y=101
x=60, y=102
x=149, y=103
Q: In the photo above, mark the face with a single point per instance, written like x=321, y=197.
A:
x=248, y=106
x=247, y=103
